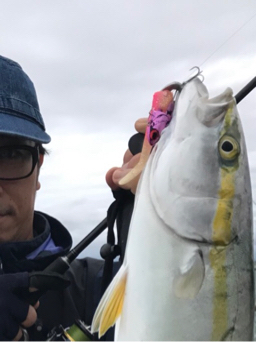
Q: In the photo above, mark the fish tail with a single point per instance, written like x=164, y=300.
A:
x=111, y=304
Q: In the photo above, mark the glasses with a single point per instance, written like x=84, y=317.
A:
x=17, y=161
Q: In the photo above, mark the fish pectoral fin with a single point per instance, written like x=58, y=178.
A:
x=111, y=304
x=191, y=275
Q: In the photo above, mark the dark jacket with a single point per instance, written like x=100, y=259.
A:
x=81, y=298
x=56, y=307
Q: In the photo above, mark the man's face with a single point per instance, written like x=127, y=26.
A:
x=17, y=198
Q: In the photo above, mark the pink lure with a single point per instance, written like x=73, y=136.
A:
x=160, y=115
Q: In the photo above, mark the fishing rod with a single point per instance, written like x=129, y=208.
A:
x=246, y=90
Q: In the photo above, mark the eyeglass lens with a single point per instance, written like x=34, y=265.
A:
x=15, y=162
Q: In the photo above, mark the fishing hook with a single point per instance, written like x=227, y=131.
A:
x=199, y=73
x=178, y=86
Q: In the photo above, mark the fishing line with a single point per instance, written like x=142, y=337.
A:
x=230, y=37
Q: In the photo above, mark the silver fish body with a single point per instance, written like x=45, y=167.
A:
x=188, y=268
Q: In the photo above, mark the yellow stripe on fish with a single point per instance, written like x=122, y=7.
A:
x=223, y=218
x=220, y=305
x=221, y=236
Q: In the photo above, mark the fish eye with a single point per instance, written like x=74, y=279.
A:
x=228, y=148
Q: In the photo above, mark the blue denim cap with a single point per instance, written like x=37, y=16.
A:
x=19, y=109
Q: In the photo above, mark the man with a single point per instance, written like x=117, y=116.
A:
x=30, y=240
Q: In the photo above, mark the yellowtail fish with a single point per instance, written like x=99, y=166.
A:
x=188, y=267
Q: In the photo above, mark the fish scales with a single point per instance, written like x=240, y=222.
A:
x=188, y=267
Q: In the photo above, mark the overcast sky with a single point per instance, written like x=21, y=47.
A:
x=96, y=64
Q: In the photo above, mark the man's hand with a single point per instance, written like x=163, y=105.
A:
x=15, y=290
x=15, y=314
x=114, y=175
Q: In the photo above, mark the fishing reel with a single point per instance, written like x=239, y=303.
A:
x=77, y=332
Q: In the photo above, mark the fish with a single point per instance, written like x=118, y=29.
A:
x=187, y=273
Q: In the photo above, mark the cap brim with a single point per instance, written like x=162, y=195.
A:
x=14, y=125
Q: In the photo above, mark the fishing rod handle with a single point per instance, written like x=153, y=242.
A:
x=59, y=266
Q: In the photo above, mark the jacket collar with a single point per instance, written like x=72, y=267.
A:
x=13, y=254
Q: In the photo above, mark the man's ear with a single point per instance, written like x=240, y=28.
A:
x=41, y=159
x=40, y=163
